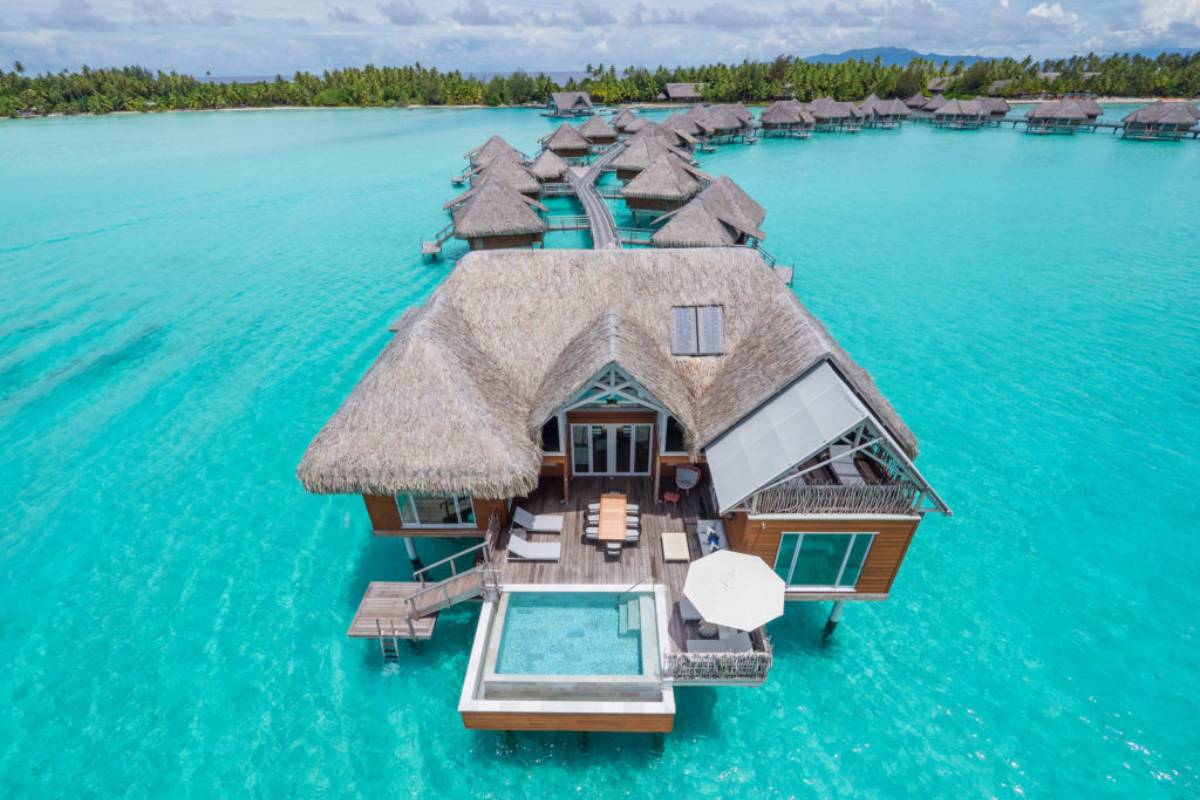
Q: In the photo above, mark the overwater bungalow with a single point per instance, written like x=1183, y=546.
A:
x=878, y=113
x=994, y=108
x=494, y=146
x=835, y=115
x=598, y=131
x=1058, y=116
x=959, y=115
x=722, y=215
x=566, y=142
x=640, y=150
x=622, y=120
x=666, y=184
x=493, y=215
x=684, y=92
x=549, y=168
x=569, y=104
x=679, y=130
x=932, y=104
x=721, y=123
x=612, y=427
x=916, y=102
x=787, y=118
x=1161, y=120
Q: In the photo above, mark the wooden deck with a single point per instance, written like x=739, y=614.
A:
x=383, y=609
x=585, y=562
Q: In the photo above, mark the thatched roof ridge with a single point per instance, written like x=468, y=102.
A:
x=493, y=147
x=623, y=118
x=597, y=128
x=960, y=108
x=1164, y=113
x=512, y=172
x=934, y=103
x=782, y=112
x=549, y=166
x=1059, y=109
x=456, y=400
x=565, y=137
x=1089, y=106
x=642, y=149
x=873, y=106
x=994, y=106
x=666, y=178
x=496, y=209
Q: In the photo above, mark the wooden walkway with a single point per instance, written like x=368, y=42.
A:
x=583, y=180
x=383, y=611
x=584, y=562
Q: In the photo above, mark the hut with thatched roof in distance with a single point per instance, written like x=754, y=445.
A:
x=878, y=113
x=684, y=92
x=787, y=118
x=677, y=130
x=622, y=120
x=494, y=146
x=959, y=115
x=514, y=173
x=932, y=104
x=1057, y=116
x=1169, y=120
x=569, y=104
x=566, y=142
x=492, y=215
x=598, y=131
x=666, y=184
x=722, y=215
x=994, y=108
x=640, y=151
x=549, y=168
x=916, y=102
x=835, y=115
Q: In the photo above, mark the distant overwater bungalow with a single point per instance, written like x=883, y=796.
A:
x=787, y=118
x=1162, y=120
x=1061, y=116
x=666, y=184
x=492, y=215
x=569, y=104
x=567, y=142
x=959, y=115
x=885, y=114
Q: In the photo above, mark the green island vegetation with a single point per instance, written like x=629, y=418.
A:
x=101, y=91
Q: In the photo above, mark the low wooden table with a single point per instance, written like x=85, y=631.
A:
x=675, y=546
x=612, y=517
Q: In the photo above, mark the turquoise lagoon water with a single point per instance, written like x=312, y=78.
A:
x=567, y=633
x=186, y=298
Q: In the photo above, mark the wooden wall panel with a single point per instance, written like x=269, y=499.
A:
x=484, y=509
x=615, y=723
x=385, y=518
x=381, y=508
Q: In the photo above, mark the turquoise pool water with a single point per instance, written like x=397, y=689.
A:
x=186, y=298
x=566, y=633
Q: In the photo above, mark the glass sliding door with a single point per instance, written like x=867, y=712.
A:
x=822, y=560
x=611, y=449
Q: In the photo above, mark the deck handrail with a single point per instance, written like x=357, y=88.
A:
x=750, y=667
x=420, y=573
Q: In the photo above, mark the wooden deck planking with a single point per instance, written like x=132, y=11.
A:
x=584, y=562
x=383, y=607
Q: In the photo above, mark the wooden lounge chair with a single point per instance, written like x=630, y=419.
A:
x=521, y=549
x=843, y=467
x=542, y=523
x=738, y=643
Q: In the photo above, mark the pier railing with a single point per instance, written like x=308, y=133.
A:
x=577, y=222
x=797, y=497
x=751, y=667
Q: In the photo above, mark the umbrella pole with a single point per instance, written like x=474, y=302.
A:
x=835, y=616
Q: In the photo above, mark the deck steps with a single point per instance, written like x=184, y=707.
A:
x=629, y=616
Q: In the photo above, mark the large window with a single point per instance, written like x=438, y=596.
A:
x=551, y=436
x=611, y=449
x=436, y=510
x=822, y=560
x=675, y=438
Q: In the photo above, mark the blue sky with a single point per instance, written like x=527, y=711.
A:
x=263, y=37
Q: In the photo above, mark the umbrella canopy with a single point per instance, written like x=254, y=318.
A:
x=734, y=589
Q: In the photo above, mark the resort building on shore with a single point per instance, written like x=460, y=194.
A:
x=493, y=215
x=566, y=142
x=683, y=92
x=666, y=184
x=787, y=118
x=598, y=131
x=665, y=443
x=1161, y=120
x=959, y=115
x=569, y=104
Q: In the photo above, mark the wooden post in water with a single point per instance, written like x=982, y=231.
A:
x=411, y=548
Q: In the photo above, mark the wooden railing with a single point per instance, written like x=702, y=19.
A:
x=751, y=667
x=797, y=497
x=635, y=235
x=577, y=222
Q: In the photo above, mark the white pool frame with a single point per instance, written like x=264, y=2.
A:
x=558, y=689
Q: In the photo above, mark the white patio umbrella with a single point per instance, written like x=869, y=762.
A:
x=734, y=589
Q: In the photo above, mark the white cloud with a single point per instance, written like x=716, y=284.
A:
x=1054, y=12
x=1163, y=14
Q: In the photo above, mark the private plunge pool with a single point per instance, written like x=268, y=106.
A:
x=578, y=646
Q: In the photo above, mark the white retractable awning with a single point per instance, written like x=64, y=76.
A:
x=797, y=423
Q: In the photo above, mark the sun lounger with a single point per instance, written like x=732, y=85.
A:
x=843, y=466
x=522, y=549
x=738, y=643
x=542, y=523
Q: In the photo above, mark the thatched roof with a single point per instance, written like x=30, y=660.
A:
x=1066, y=109
x=994, y=106
x=873, y=106
x=512, y=172
x=684, y=92
x=1089, y=106
x=567, y=101
x=1164, y=113
x=917, y=101
x=493, y=208
x=826, y=108
x=667, y=178
x=782, y=112
x=491, y=148
x=565, y=138
x=640, y=150
x=457, y=399
x=623, y=118
x=960, y=108
x=718, y=216
x=934, y=103
x=597, y=128
x=549, y=166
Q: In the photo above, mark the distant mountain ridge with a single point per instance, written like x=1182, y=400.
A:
x=890, y=56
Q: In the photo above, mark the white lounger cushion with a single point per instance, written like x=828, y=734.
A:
x=525, y=550
x=630, y=508
x=739, y=643
x=542, y=523
x=843, y=466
